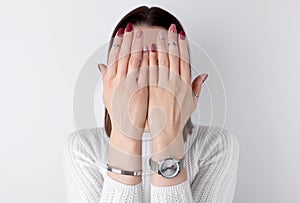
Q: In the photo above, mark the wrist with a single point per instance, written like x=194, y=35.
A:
x=170, y=147
x=163, y=140
x=125, y=143
x=124, y=153
x=129, y=131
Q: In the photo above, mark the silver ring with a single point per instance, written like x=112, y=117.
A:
x=172, y=43
x=116, y=45
x=196, y=95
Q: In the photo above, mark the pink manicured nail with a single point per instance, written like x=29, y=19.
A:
x=162, y=35
x=172, y=28
x=153, y=47
x=120, y=32
x=129, y=27
x=138, y=33
x=182, y=35
x=145, y=48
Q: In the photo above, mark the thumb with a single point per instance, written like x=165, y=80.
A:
x=197, y=84
x=102, y=68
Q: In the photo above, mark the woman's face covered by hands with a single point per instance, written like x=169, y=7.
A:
x=147, y=84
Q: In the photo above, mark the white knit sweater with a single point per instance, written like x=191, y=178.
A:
x=211, y=157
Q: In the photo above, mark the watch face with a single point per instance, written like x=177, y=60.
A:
x=169, y=168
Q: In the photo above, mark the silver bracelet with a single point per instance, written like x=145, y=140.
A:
x=123, y=172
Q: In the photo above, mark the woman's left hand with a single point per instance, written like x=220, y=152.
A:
x=171, y=95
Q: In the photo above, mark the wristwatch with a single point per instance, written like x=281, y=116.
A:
x=168, y=168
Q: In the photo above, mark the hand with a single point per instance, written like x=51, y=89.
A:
x=125, y=83
x=126, y=99
x=171, y=94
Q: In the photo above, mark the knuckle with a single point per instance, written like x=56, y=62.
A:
x=113, y=57
x=184, y=57
x=134, y=61
x=163, y=63
x=145, y=57
x=173, y=57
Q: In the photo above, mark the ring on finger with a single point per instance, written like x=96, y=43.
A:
x=172, y=43
x=116, y=45
x=196, y=95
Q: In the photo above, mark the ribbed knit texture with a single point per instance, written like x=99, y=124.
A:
x=211, y=158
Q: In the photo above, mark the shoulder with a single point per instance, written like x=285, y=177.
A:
x=89, y=143
x=213, y=140
x=211, y=134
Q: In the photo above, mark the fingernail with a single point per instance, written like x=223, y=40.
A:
x=205, y=77
x=153, y=47
x=138, y=33
x=173, y=28
x=120, y=32
x=145, y=48
x=129, y=27
x=162, y=35
x=182, y=35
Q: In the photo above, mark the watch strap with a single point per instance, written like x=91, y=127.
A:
x=153, y=165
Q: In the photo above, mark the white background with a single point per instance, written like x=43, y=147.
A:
x=254, y=43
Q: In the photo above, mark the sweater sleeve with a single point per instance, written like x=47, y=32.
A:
x=175, y=193
x=85, y=182
x=216, y=160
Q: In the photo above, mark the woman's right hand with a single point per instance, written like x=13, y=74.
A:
x=124, y=78
x=125, y=96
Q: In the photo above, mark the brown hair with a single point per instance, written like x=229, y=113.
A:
x=153, y=16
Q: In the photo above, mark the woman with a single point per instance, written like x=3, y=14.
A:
x=148, y=91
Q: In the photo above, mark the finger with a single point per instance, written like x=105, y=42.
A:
x=162, y=56
x=173, y=51
x=197, y=85
x=185, y=71
x=136, y=52
x=144, y=69
x=114, y=53
x=153, y=72
x=125, y=51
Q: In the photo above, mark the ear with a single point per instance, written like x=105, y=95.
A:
x=102, y=68
x=197, y=84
